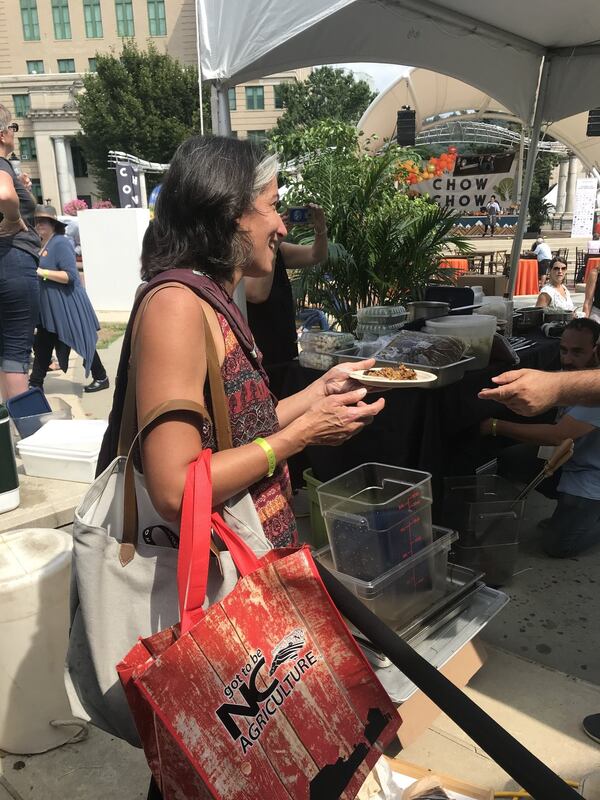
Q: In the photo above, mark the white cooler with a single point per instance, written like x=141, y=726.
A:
x=64, y=450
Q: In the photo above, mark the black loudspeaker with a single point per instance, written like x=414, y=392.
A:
x=405, y=128
x=593, y=125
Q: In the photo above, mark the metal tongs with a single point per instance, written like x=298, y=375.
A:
x=561, y=455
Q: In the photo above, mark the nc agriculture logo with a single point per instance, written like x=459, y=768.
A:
x=263, y=701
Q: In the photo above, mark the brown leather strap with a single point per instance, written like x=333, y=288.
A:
x=128, y=437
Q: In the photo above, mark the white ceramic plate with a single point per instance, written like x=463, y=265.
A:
x=422, y=379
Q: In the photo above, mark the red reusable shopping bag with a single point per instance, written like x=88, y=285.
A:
x=265, y=694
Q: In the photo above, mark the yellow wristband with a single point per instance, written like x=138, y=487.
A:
x=494, y=427
x=270, y=454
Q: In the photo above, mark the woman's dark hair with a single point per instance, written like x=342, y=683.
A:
x=558, y=260
x=210, y=183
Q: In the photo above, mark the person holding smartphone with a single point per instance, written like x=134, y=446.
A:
x=271, y=310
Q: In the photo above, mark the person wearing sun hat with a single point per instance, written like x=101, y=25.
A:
x=67, y=319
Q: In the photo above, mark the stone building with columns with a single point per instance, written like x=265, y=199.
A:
x=47, y=45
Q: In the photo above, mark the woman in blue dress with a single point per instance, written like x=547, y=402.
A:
x=67, y=319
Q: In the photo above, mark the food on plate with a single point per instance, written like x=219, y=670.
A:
x=399, y=373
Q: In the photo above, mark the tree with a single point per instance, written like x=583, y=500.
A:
x=539, y=209
x=143, y=103
x=326, y=94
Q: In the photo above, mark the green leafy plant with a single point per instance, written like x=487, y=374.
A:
x=539, y=212
x=385, y=246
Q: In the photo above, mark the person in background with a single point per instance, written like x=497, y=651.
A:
x=530, y=392
x=544, y=258
x=591, y=304
x=575, y=524
x=554, y=294
x=492, y=210
x=593, y=246
x=271, y=310
x=67, y=319
x=19, y=254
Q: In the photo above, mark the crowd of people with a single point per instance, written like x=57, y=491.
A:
x=43, y=305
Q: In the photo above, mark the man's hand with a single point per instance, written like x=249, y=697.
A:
x=525, y=391
x=11, y=227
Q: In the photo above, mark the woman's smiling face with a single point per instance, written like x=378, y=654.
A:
x=265, y=229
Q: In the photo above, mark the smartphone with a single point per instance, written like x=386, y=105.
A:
x=301, y=215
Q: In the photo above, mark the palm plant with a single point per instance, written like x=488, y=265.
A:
x=385, y=247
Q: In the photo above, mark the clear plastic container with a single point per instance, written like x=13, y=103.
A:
x=313, y=360
x=325, y=341
x=482, y=508
x=405, y=591
x=372, y=330
x=376, y=516
x=382, y=315
x=476, y=331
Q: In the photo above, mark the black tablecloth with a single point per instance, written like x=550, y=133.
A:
x=436, y=430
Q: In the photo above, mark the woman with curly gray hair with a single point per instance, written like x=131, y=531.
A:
x=19, y=254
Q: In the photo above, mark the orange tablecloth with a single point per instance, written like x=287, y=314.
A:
x=457, y=264
x=592, y=263
x=527, y=277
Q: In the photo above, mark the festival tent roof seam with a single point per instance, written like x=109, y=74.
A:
x=431, y=94
x=496, y=47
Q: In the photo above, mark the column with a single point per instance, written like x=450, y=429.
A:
x=571, y=184
x=62, y=170
x=71, y=169
x=561, y=198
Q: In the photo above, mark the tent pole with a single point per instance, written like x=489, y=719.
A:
x=224, y=113
x=528, y=179
x=520, y=163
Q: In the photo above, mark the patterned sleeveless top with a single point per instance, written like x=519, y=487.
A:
x=252, y=413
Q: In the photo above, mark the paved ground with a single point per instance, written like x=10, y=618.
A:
x=542, y=675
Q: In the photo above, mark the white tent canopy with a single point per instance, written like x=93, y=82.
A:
x=497, y=47
x=431, y=94
x=538, y=59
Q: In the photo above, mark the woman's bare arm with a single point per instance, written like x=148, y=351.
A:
x=171, y=361
x=590, y=288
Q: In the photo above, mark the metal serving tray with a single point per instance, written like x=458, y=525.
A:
x=451, y=373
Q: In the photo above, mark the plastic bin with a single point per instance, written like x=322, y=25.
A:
x=376, y=516
x=403, y=592
x=318, y=536
x=483, y=510
x=31, y=403
x=27, y=426
x=63, y=450
x=476, y=331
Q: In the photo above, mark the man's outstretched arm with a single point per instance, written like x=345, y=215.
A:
x=529, y=392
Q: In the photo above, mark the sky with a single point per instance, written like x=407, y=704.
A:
x=382, y=74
